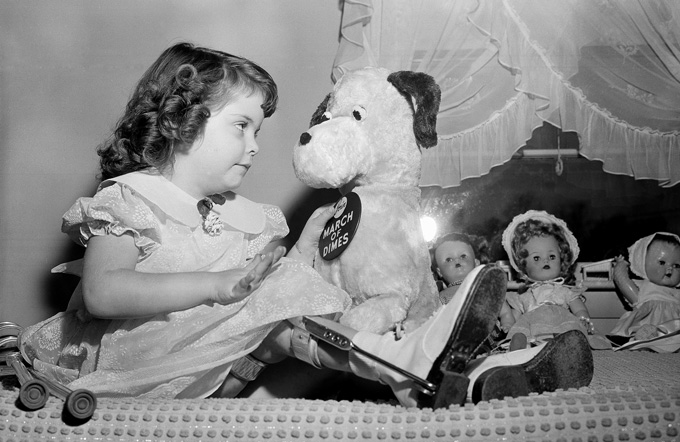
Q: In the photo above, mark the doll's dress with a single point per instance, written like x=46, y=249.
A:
x=180, y=354
x=544, y=309
x=657, y=305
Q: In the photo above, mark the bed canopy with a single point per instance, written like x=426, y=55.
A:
x=608, y=70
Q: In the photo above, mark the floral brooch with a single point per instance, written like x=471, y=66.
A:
x=212, y=224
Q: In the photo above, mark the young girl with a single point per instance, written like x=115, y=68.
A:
x=453, y=256
x=542, y=249
x=656, y=298
x=173, y=287
x=177, y=299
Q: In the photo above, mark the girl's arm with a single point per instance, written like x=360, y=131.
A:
x=307, y=244
x=626, y=286
x=112, y=288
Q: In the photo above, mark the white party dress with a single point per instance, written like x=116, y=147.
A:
x=187, y=353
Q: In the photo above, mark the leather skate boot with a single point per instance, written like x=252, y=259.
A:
x=426, y=367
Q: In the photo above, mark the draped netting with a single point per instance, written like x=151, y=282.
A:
x=606, y=69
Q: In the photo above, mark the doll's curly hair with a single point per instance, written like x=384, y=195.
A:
x=172, y=102
x=533, y=228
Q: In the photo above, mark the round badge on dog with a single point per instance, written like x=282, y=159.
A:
x=339, y=230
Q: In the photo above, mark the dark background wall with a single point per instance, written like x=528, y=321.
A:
x=607, y=213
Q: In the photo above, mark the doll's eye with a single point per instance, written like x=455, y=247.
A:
x=359, y=113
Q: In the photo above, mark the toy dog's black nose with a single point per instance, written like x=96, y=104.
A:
x=305, y=138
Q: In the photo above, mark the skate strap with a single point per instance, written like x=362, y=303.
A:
x=304, y=347
x=247, y=368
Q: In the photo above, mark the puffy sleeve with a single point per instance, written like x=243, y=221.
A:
x=275, y=228
x=565, y=294
x=113, y=210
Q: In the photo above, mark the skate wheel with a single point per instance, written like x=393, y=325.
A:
x=80, y=404
x=33, y=394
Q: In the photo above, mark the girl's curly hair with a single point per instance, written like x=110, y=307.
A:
x=172, y=102
x=532, y=228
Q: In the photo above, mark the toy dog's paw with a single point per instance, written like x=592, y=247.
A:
x=362, y=323
x=376, y=315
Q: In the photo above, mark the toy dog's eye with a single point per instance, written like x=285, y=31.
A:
x=325, y=116
x=359, y=113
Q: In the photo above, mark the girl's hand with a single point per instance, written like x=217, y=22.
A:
x=238, y=286
x=308, y=243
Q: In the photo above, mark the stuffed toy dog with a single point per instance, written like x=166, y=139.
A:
x=365, y=140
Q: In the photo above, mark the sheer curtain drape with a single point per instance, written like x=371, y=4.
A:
x=607, y=69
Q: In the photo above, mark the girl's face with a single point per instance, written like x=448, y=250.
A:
x=219, y=159
x=544, y=261
x=662, y=264
x=455, y=259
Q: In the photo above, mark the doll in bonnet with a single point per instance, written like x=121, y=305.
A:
x=543, y=251
x=655, y=298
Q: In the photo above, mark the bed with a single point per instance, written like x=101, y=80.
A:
x=634, y=395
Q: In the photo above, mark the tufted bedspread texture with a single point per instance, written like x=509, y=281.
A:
x=634, y=396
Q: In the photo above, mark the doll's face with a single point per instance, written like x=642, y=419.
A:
x=662, y=264
x=544, y=261
x=455, y=259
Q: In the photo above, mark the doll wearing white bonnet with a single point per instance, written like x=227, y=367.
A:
x=637, y=253
x=657, y=307
x=545, y=307
x=542, y=216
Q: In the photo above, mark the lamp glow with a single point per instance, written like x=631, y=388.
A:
x=429, y=227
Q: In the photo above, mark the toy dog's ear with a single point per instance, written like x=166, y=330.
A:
x=317, y=117
x=425, y=92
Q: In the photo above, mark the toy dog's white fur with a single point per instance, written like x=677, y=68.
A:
x=365, y=138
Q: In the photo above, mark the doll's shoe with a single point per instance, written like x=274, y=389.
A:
x=439, y=350
x=565, y=361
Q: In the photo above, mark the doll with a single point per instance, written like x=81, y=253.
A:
x=543, y=251
x=453, y=256
x=655, y=299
